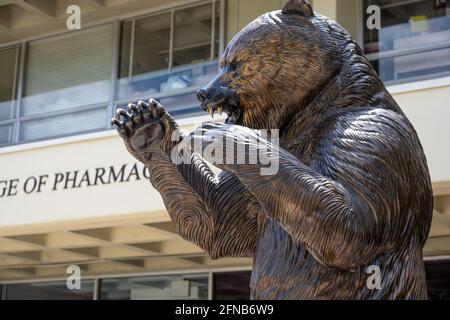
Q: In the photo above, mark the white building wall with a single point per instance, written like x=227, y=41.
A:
x=427, y=105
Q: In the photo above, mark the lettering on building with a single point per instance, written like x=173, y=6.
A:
x=72, y=179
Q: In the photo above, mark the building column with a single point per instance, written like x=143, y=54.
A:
x=241, y=12
x=348, y=13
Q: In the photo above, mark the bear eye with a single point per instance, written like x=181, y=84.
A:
x=233, y=66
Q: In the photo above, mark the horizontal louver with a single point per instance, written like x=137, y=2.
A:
x=8, y=75
x=64, y=125
x=63, y=73
x=68, y=71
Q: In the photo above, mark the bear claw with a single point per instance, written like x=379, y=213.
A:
x=136, y=115
x=126, y=121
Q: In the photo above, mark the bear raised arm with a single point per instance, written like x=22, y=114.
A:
x=351, y=190
x=192, y=194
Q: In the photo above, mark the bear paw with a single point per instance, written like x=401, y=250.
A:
x=146, y=129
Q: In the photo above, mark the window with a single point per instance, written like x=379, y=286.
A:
x=8, y=91
x=232, y=285
x=2, y=292
x=169, y=54
x=71, y=83
x=49, y=291
x=186, y=287
x=438, y=279
x=66, y=86
x=64, y=74
x=413, y=42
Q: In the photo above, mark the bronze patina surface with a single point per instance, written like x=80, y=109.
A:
x=352, y=189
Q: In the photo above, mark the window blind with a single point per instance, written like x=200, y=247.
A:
x=8, y=70
x=68, y=71
x=63, y=125
x=63, y=73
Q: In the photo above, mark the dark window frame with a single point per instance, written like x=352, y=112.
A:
x=376, y=57
x=113, y=102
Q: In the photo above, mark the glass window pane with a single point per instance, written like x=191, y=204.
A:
x=408, y=25
x=145, y=53
x=66, y=124
x=67, y=71
x=125, y=49
x=184, y=287
x=192, y=35
x=151, y=44
x=8, y=75
x=217, y=31
x=181, y=105
x=49, y=291
x=232, y=285
x=438, y=279
x=5, y=134
x=144, y=59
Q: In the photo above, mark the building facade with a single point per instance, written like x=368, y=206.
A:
x=72, y=200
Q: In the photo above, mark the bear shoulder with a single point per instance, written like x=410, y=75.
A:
x=374, y=147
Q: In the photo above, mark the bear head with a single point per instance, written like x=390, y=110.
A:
x=273, y=67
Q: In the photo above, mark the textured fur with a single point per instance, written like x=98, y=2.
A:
x=353, y=189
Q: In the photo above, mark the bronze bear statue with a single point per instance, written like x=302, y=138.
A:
x=352, y=188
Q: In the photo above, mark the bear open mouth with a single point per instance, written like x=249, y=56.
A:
x=220, y=98
x=233, y=111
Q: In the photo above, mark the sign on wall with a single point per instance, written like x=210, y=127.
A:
x=74, y=179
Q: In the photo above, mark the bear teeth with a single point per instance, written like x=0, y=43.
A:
x=211, y=111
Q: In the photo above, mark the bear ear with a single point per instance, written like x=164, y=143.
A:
x=300, y=7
